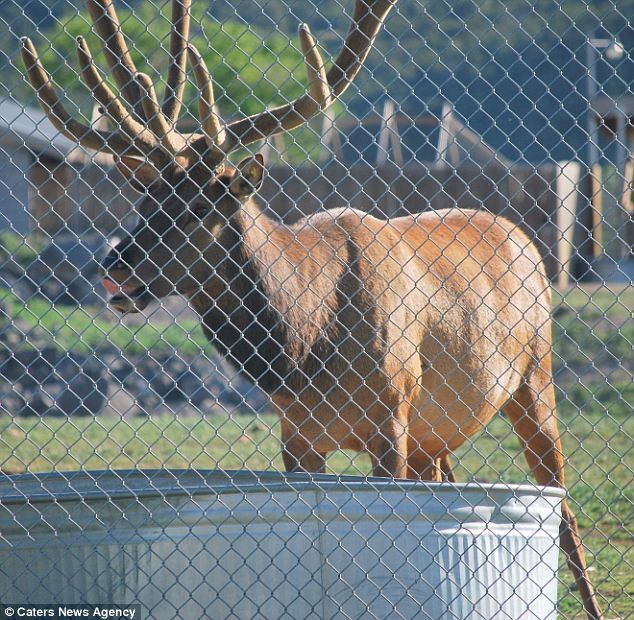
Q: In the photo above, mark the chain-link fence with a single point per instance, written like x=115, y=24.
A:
x=397, y=245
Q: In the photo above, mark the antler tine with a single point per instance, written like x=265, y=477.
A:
x=315, y=69
x=116, y=51
x=73, y=129
x=176, y=76
x=285, y=117
x=367, y=20
x=109, y=101
x=212, y=126
x=159, y=125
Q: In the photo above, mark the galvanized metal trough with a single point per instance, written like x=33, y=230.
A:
x=210, y=544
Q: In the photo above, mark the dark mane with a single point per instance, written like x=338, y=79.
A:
x=259, y=321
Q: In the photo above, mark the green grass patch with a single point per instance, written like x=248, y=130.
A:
x=594, y=328
x=21, y=250
x=65, y=444
x=611, y=568
x=74, y=328
x=204, y=442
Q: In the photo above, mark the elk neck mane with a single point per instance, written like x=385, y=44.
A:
x=272, y=306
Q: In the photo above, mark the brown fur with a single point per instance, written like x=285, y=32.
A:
x=437, y=317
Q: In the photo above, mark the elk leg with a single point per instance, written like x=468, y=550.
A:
x=420, y=466
x=298, y=455
x=388, y=449
x=444, y=464
x=532, y=413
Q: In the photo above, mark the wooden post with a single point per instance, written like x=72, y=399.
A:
x=330, y=139
x=274, y=151
x=628, y=181
x=596, y=205
x=442, y=151
x=567, y=184
x=627, y=204
x=389, y=136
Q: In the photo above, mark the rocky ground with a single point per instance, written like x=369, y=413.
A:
x=53, y=382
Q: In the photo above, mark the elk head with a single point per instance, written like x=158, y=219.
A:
x=189, y=188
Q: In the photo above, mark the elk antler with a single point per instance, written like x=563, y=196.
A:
x=148, y=129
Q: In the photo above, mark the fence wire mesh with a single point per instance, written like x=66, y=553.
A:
x=240, y=306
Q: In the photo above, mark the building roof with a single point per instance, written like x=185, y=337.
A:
x=22, y=125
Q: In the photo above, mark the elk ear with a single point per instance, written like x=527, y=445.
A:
x=248, y=177
x=139, y=173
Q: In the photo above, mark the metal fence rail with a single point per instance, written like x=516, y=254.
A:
x=290, y=326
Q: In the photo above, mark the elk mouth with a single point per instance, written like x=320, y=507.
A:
x=125, y=298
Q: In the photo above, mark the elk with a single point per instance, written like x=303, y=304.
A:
x=399, y=337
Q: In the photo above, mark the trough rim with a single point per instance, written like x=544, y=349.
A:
x=137, y=483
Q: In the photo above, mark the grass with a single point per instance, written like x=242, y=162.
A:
x=15, y=248
x=74, y=328
x=203, y=442
x=594, y=360
x=594, y=328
